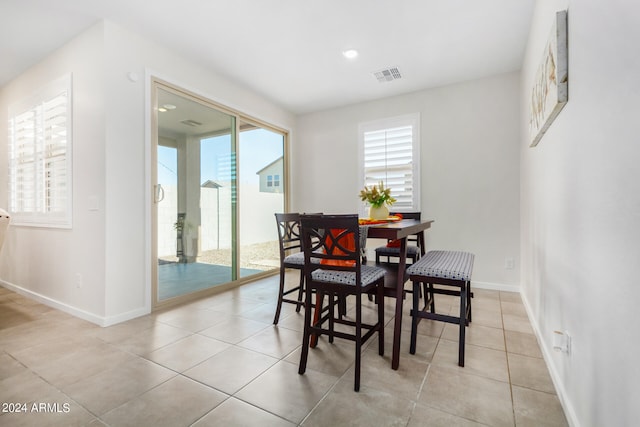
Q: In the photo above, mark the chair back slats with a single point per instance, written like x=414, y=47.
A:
x=392, y=247
x=333, y=241
x=407, y=215
x=288, y=233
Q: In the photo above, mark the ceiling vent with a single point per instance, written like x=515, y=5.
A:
x=190, y=122
x=388, y=74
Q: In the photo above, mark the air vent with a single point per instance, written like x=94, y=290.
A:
x=190, y=122
x=388, y=74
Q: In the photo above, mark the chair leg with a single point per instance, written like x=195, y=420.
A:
x=342, y=305
x=433, y=299
x=332, y=314
x=306, y=333
x=381, y=318
x=300, y=290
x=317, y=316
x=356, y=384
x=280, y=296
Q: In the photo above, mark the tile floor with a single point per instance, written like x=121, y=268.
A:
x=220, y=362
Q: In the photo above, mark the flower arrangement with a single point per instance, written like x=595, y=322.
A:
x=377, y=195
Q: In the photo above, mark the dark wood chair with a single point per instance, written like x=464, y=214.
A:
x=392, y=250
x=291, y=256
x=442, y=272
x=333, y=267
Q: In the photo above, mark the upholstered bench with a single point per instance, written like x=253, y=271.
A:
x=442, y=272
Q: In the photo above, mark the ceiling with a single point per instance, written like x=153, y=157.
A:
x=182, y=117
x=290, y=51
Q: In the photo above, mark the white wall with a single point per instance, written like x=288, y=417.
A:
x=469, y=167
x=45, y=262
x=581, y=210
x=254, y=228
x=108, y=247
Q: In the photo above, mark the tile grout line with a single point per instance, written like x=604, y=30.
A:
x=506, y=354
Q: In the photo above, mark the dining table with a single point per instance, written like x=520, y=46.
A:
x=394, y=283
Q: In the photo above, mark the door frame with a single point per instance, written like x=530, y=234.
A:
x=154, y=83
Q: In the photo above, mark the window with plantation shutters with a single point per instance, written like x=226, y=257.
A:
x=390, y=153
x=40, y=157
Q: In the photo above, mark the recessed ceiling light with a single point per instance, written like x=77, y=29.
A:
x=350, y=53
x=162, y=110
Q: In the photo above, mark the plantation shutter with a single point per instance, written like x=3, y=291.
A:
x=40, y=177
x=389, y=157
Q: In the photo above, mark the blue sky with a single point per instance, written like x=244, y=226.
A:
x=258, y=148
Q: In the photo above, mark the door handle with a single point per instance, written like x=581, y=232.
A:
x=158, y=193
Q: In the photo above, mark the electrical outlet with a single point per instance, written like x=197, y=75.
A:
x=508, y=263
x=78, y=280
x=562, y=341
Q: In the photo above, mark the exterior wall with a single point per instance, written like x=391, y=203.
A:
x=273, y=170
x=211, y=235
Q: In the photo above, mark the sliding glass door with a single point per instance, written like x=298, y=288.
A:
x=218, y=180
x=261, y=183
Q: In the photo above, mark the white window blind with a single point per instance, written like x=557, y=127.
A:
x=390, y=153
x=40, y=157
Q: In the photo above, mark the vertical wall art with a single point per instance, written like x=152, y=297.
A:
x=549, y=93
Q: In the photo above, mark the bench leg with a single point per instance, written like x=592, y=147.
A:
x=469, y=296
x=463, y=324
x=414, y=316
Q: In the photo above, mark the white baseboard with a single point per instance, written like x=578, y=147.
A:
x=555, y=376
x=123, y=317
x=494, y=286
x=74, y=311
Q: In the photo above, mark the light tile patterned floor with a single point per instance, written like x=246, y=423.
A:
x=220, y=362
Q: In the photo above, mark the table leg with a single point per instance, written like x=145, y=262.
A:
x=397, y=330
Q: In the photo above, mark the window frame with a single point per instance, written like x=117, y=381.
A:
x=412, y=120
x=43, y=212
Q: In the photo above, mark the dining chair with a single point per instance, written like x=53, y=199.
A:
x=291, y=256
x=333, y=267
x=392, y=248
x=442, y=272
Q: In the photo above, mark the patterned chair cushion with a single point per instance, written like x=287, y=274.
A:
x=369, y=275
x=411, y=250
x=444, y=264
x=297, y=259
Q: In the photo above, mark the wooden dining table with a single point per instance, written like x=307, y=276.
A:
x=399, y=230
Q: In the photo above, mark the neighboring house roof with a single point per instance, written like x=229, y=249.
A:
x=279, y=159
x=210, y=184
